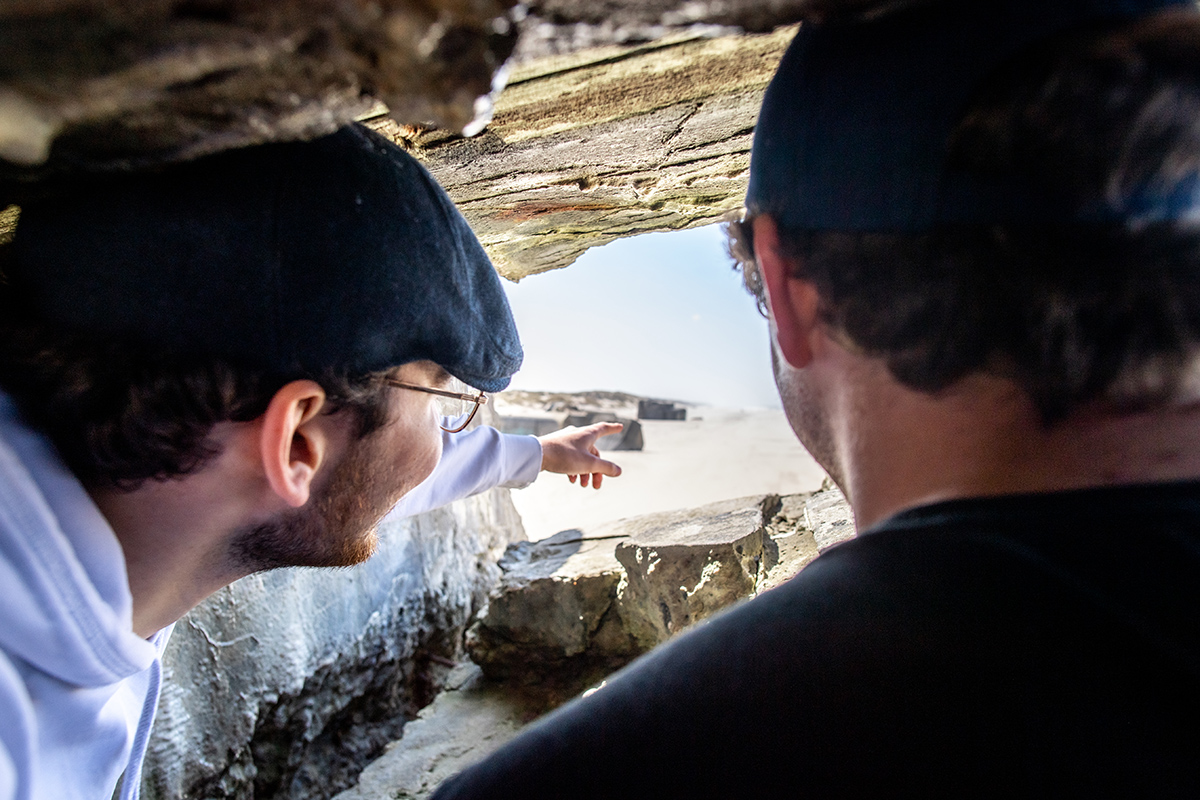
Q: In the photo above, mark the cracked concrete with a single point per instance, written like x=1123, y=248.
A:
x=607, y=144
x=588, y=601
x=477, y=714
x=583, y=147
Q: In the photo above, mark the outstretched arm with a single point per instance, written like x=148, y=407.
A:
x=477, y=460
x=572, y=452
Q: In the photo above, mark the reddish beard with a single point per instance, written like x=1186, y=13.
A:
x=337, y=527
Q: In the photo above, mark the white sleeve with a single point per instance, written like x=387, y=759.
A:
x=473, y=462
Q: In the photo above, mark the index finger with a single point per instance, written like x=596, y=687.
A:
x=605, y=428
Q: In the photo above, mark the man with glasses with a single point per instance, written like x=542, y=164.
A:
x=977, y=225
x=220, y=368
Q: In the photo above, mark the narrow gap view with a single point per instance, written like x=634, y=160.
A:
x=383, y=416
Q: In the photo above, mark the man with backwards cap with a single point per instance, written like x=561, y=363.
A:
x=235, y=365
x=977, y=223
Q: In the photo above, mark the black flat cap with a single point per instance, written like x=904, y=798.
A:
x=341, y=253
x=855, y=126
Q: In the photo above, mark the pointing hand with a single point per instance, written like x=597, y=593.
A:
x=572, y=452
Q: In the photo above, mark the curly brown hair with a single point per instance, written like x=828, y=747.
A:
x=1073, y=313
x=122, y=413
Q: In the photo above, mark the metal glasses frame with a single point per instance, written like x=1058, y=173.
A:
x=478, y=399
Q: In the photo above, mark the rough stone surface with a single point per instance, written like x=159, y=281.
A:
x=464, y=724
x=554, y=610
x=828, y=516
x=619, y=117
x=684, y=566
x=792, y=543
x=8, y=223
x=565, y=26
x=649, y=133
x=582, y=602
x=789, y=545
x=113, y=83
x=285, y=683
x=607, y=143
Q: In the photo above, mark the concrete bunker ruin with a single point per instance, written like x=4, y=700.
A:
x=588, y=122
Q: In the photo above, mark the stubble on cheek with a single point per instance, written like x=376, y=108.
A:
x=392, y=464
x=338, y=526
x=802, y=405
x=419, y=459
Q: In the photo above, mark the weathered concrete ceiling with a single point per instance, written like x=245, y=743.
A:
x=87, y=83
x=604, y=144
x=619, y=116
x=554, y=27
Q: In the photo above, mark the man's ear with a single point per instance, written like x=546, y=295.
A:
x=293, y=444
x=793, y=301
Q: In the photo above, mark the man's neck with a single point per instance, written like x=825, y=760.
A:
x=984, y=438
x=175, y=534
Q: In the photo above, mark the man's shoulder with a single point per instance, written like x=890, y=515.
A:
x=949, y=639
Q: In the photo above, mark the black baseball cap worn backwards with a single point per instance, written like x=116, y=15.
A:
x=337, y=254
x=855, y=125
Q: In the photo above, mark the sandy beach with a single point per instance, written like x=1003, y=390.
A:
x=716, y=454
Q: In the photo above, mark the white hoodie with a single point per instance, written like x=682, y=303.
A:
x=77, y=686
x=78, y=689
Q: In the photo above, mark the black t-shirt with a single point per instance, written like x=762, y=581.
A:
x=1024, y=646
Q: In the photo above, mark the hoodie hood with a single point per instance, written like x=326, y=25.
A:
x=66, y=608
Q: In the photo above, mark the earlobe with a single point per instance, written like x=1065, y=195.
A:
x=293, y=446
x=793, y=302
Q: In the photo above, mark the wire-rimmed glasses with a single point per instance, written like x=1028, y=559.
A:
x=457, y=409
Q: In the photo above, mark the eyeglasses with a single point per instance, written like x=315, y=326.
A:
x=456, y=408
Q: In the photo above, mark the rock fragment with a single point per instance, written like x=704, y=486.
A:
x=583, y=601
x=789, y=545
x=552, y=610
x=463, y=725
x=589, y=601
x=828, y=516
x=684, y=566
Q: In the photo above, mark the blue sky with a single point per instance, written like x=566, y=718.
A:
x=662, y=314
